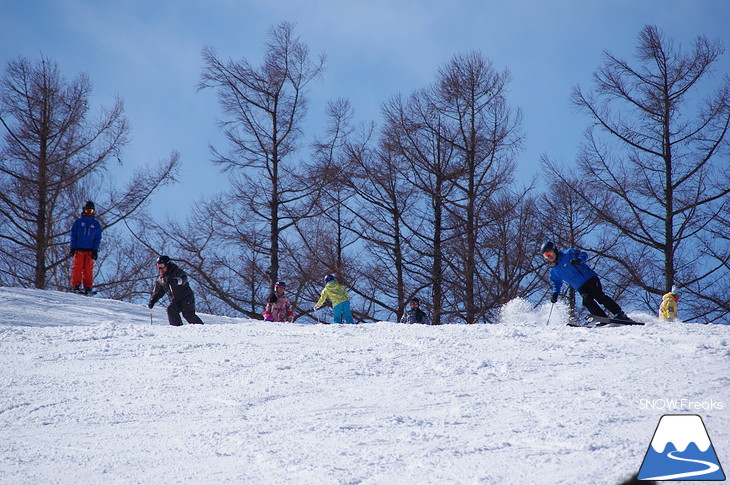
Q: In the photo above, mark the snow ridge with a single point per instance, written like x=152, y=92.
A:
x=95, y=393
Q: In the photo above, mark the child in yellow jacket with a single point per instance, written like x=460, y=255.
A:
x=668, y=308
x=338, y=296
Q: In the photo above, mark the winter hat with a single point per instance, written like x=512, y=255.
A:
x=328, y=278
x=415, y=300
x=163, y=259
x=89, y=206
x=280, y=283
x=548, y=246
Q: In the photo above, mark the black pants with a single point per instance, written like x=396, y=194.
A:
x=593, y=294
x=187, y=308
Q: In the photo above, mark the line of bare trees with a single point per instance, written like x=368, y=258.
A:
x=424, y=204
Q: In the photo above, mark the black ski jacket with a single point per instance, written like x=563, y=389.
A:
x=415, y=316
x=175, y=284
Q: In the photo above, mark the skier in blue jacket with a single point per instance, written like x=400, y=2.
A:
x=570, y=266
x=85, y=240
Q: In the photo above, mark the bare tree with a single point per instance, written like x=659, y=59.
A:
x=471, y=96
x=264, y=108
x=655, y=159
x=325, y=238
x=334, y=162
x=507, y=253
x=384, y=201
x=414, y=128
x=458, y=140
x=53, y=157
x=715, y=286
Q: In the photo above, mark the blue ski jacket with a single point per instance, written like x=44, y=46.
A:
x=573, y=274
x=86, y=234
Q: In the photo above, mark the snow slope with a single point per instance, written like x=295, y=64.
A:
x=92, y=392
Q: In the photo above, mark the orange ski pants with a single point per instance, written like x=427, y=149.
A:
x=82, y=270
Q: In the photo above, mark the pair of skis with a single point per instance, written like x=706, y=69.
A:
x=593, y=321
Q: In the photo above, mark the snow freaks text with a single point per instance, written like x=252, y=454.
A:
x=681, y=404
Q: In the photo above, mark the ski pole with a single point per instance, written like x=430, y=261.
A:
x=150, y=317
x=550, y=314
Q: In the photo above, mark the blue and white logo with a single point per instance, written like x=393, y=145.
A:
x=681, y=450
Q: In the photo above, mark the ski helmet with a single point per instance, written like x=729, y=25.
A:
x=163, y=259
x=89, y=206
x=548, y=246
x=328, y=278
x=280, y=283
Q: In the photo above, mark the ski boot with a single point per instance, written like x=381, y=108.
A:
x=622, y=316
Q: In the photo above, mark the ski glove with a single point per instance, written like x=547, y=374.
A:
x=574, y=261
x=554, y=298
x=150, y=305
x=94, y=254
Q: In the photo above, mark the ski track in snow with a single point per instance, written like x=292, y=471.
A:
x=92, y=393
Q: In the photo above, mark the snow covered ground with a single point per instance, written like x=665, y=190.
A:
x=92, y=392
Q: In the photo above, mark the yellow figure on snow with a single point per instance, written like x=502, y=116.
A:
x=668, y=308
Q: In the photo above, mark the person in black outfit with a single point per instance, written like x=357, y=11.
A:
x=174, y=282
x=415, y=314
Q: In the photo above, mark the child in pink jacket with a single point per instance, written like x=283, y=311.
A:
x=278, y=306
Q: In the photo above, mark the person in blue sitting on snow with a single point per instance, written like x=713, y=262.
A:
x=337, y=294
x=570, y=266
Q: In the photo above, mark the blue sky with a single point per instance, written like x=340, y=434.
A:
x=149, y=54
